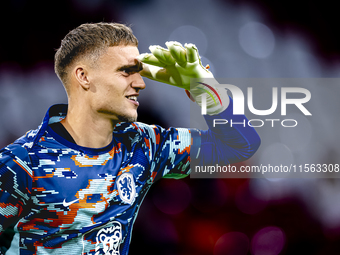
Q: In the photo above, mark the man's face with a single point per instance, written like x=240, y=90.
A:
x=115, y=83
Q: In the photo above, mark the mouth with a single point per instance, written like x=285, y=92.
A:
x=133, y=99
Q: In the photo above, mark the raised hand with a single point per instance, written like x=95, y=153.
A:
x=175, y=65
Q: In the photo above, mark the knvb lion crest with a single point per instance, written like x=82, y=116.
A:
x=126, y=188
x=108, y=239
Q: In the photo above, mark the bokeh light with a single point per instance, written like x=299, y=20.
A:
x=268, y=241
x=232, y=243
x=257, y=40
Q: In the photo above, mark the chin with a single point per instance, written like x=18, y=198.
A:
x=125, y=118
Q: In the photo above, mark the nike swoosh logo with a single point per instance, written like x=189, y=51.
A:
x=67, y=204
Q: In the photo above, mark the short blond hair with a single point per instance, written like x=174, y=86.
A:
x=90, y=40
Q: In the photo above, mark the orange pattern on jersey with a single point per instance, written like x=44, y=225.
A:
x=158, y=135
x=147, y=143
x=42, y=177
x=185, y=150
x=22, y=167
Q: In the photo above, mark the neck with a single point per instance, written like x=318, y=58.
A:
x=87, y=128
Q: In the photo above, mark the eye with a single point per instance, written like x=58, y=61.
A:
x=124, y=72
x=127, y=71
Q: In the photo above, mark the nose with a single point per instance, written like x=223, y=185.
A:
x=138, y=82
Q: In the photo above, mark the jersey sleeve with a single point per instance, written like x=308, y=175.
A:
x=231, y=142
x=169, y=150
x=15, y=184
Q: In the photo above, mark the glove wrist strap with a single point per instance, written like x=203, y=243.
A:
x=207, y=94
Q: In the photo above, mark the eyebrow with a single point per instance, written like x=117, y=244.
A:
x=132, y=68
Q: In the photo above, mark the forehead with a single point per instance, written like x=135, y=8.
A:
x=120, y=55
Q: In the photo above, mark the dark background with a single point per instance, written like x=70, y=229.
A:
x=190, y=216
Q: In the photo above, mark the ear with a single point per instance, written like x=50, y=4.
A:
x=81, y=74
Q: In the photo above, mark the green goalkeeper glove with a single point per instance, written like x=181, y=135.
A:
x=176, y=66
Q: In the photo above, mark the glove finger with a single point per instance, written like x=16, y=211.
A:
x=155, y=73
x=149, y=71
x=163, y=55
x=178, y=52
x=150, y=59
x=161, y=74
x=192, y=52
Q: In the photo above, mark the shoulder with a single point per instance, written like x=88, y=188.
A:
x=15, y=168
x=17, y=149
x=16, y=154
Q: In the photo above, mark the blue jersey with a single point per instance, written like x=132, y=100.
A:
x=64, y=198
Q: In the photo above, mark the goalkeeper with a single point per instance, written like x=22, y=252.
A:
x=75, y=184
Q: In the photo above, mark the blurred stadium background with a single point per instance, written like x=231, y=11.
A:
x=239, y=39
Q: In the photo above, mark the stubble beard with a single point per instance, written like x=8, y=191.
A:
x=121, y=118
x=129, y=119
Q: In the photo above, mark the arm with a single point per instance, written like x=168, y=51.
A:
x=226, y=144
x=177, y=66
x=167, y=150
x=15, y=184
